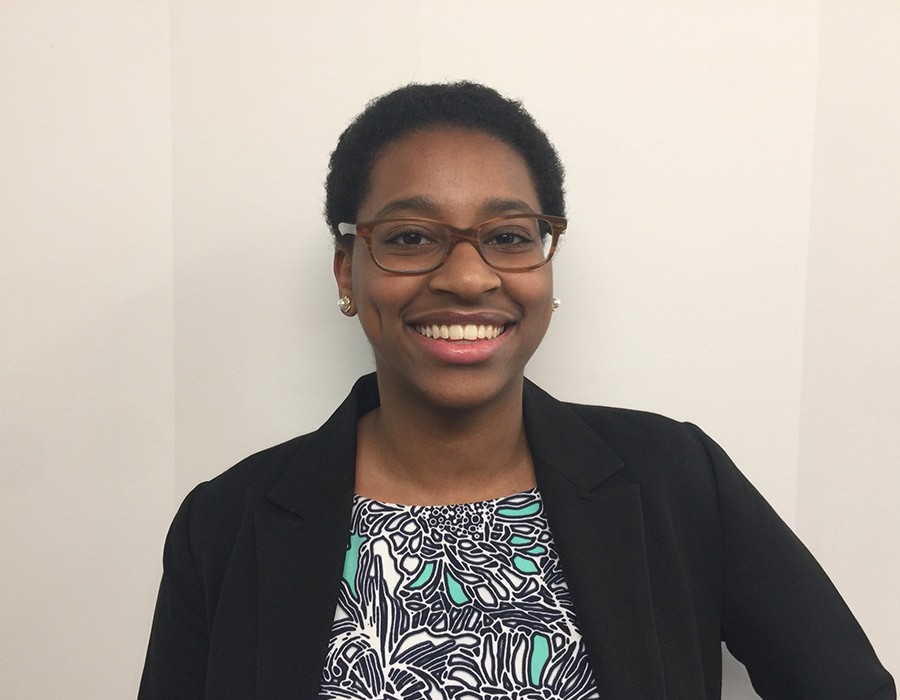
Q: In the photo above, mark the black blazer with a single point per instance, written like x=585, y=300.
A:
x=666, y=548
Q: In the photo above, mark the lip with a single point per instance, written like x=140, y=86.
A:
x=463, y=352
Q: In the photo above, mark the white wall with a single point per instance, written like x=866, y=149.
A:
x=86, y=338
x=849, y=481
x=167, y=306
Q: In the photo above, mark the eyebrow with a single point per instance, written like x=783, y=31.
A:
x=420, y=204
x=497, y=206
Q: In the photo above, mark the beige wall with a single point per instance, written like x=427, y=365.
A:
x=166, y=301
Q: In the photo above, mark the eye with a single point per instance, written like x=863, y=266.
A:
x=510, y=237
x=409, y=237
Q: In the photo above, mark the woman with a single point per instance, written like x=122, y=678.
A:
x=454, y=532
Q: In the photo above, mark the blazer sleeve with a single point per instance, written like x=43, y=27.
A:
x=176, y=661
x=781, y=615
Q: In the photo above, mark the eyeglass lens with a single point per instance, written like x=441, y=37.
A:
x=509, y=244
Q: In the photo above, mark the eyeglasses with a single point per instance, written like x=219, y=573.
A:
x=412, y=246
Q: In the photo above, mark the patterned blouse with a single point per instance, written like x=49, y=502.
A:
x=457, y=602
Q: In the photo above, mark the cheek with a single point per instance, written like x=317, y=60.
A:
x=380, y=299
x=367, y=308
x=533, y=293
x=534, y=289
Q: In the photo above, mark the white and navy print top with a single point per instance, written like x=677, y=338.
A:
x=457, y=602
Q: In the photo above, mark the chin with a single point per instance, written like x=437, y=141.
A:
x=467, y=389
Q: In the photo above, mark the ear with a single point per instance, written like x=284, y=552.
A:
x=342, y=270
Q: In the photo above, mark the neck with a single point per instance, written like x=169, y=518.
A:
x=414, y=452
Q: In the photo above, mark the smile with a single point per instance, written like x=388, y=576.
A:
x=459, y=332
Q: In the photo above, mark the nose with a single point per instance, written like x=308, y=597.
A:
x=464, y=273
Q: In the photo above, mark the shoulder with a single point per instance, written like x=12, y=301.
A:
x=246, y=483
x=638, y=438
x=623, y=425
x=683, y=474
x=608, y=420
x=632, y=433
x=672, y=463
x=213, y=513
x=297, y=476
x=662, y=454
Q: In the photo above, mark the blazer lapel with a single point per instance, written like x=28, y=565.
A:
x=300, y=548
x=597, y=523
x=299, y=569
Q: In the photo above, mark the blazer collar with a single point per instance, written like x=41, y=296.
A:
x=596, y=521
x=562, y=442
x=324, y=466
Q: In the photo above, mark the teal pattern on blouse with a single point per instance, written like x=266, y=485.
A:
x=457, y=602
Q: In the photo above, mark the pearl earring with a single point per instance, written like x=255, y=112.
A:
x=345, y=305
x=555, y=303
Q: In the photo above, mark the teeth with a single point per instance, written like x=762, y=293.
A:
x=459, y=332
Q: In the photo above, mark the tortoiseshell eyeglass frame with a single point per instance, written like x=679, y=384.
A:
x=364, y=230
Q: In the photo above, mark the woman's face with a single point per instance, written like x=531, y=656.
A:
x=463, y=178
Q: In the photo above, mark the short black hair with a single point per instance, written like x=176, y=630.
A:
x=414, y=107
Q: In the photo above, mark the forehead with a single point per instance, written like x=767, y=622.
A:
x=450, y=166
